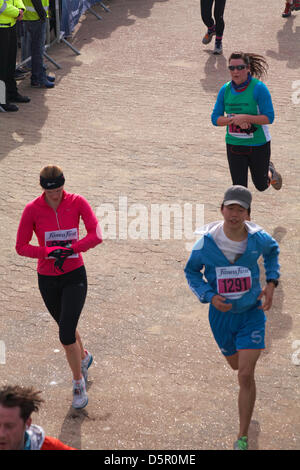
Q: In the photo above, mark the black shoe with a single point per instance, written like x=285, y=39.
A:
x=6, y=108
x=24, y=69
x=19, y=99
x=46, y=84
x=19, y=75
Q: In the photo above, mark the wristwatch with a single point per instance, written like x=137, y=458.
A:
x=274, y=281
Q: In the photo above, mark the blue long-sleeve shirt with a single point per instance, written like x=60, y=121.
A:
x=261, y=95
x=206, y=259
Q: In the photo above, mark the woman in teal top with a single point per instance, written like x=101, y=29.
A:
x=245, y=106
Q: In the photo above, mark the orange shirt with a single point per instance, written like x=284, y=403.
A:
x=51, y=443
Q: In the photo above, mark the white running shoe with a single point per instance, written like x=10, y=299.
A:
x=218, y=50
x=80, y=398
x=85, y=364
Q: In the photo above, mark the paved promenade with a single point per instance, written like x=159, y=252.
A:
x=129, y=123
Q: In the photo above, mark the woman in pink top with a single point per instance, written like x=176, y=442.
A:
x=54, y=217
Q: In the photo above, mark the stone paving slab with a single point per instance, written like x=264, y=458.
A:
x=129, y=119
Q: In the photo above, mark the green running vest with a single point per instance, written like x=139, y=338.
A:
x=243, y=103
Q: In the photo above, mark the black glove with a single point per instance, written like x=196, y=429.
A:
x=61, y=254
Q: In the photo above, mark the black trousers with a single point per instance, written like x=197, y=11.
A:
x=64, y=297
x=206, y=14
x=243, y=157
x=8, y=57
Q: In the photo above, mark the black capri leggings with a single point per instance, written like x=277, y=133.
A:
x=64, y=297
x=242, y=157
x=206, y=14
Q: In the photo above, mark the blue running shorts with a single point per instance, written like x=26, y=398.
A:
x=235, y=331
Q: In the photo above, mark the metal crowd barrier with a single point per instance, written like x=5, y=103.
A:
x=59, y=34
x=59, y=37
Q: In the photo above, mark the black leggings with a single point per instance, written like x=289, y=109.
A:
x=64, y=297
x=242, y=157
x=206, y=14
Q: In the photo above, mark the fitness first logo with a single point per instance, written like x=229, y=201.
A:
x=63, y=235
x=238, y=271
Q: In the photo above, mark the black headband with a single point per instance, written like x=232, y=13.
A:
x=52, y=183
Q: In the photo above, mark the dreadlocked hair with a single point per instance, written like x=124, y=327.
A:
x=258, y=64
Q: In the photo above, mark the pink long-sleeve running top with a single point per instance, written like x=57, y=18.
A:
x=58, y=227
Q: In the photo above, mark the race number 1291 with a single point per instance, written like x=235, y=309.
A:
x=234, y=285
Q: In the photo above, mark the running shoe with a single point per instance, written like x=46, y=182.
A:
x=208, y=36
x=80, y=398
x=45, y=84
x=25, y=69
x=276, y=180
x=17, y=98
x=19, y=75
x=85, y=364
x=288, y=9
x=218, y=50
x=8, y=108
x=241, y=443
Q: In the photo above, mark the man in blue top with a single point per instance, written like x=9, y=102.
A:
x=245, y=106
x=226, y=255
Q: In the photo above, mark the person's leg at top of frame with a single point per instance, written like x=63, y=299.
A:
x=220, y=25
x=206, y=15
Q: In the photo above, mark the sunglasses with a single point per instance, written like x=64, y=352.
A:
x=238, y=67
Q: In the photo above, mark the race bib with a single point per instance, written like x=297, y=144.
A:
x=236, y=131
x=233, y=281
x=62, y=238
